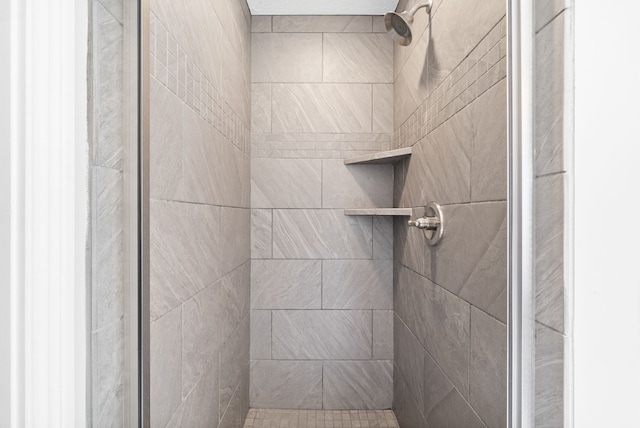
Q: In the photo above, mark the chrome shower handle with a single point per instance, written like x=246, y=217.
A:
x=432, y=222
x=427, y=223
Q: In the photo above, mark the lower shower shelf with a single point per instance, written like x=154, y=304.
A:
x=407, y=212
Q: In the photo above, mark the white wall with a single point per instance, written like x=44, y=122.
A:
x=607, y=214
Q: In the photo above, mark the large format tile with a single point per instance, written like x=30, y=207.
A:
x=260, y=107
x=383, y=109
x=321, y=234
x=439, y=320
x=357, y=58
x=443, y=405
x=260, y=335
x=546, y=10
x=383, y=335
x=552, y=100
x=549, y=250
x=184, y=255
x=261, y=234
x=286, y=384
x=550, y=375
x=471, y=260
x=165, y=140
x=278, y=57
x=489, y=145
x=357, y=384
x=383, y=238
x=325, y=107
x=261, y=24
x=406, y=408
x=357, y=284
x=488, y=369
x=356, y=186
x=166, y=366
x=234, y=362
x=108, y=375
x=409, y=358
x=286, y=183
x=286, y=284
x=321, y=24
x=209, y=318
x=235, y=239
x=309, y=335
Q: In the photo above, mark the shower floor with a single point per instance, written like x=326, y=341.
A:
x=266, y=418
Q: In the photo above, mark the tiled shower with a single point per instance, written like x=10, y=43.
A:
x=264, y=294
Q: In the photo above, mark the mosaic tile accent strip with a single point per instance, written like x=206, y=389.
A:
x=266, y=418
x=485, y=66
x=174, y=69
x=298, y=145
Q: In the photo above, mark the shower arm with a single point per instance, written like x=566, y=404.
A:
x=426, y=5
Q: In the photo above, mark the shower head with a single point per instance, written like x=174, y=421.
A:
x=400, y=23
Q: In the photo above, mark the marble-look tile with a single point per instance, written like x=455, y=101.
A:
x=108, y=375
x=108, y=97
x=406, y=408
x=357, y=284
x=410, y=246
x=286, y=384
x=409, y=358
x=313, y=335
x=549, y=250
x=550, y=375
x=357, y=58
x=328, y=107
x=107, y=240
x=201, y=407
x=234, y=415
x=165, y=140
x=357, y=384
x=546, y=10
x=166, y=366
x=471, y=261
x=260, y=24
x=440, y=167
x=321, y=234
x=488, y=369
x=260, y=335
x=234, y=362
x=286, y=183
x=489, y=145
x=184, y=254
x=383, y=335
x=114, y=7
x=261, y=223
x=286, y=284
x=235, y=72
x=383, y=238
x=551, y=97
x=378, y=24
x=260, y=107
x=439, y=320
x=235, y=239
x=356, y=186
x=321, y=24
x=209, y=318
x=383, y=109
x=443, y=404
x=278, y=57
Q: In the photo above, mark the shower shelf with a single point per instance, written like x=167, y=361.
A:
x=390, y=156
x=407, y=212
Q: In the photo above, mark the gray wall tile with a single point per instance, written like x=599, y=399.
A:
x=405, y=407
x=107, y=345
x=261, y=107
x=550, y=369
x=356, y=186
x=321, y=24
x=261, y=226
x=357, y=58
x=321, y=108
x=286, y=57
x=383, y=238
x=260, y=335
x=321, y=335
x=321, y=234
x=409, y=359
x=487, y=368
x=546, y=10
x=383, y=108
x=235, y=239
x=286, y=183
x=234, y=363
x=357, y=384
x=286, y=384
x=260, y=24
x=166, y=366
x=286, y=284
x=383, y=335
x=357, y=284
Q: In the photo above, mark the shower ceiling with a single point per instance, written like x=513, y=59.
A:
x=321, y=7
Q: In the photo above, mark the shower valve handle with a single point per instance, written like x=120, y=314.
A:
x=427, y=223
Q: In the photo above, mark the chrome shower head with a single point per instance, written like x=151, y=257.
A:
x=400, y=23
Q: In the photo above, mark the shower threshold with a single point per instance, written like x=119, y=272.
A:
x=267, y=418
